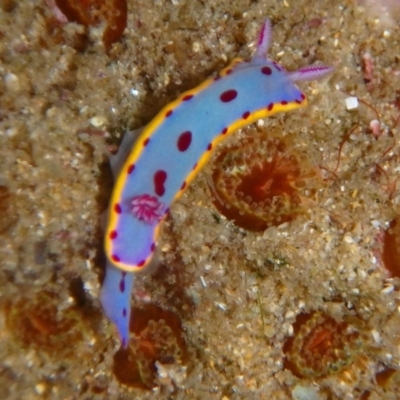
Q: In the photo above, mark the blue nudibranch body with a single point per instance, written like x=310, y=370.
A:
x=172, y=149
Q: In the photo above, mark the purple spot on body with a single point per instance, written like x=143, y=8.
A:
x=228, y=95
x=124, y=312
x=184, y=140
x=266, y=70
x=122, y=285
x=159, y=180
x=277, y=66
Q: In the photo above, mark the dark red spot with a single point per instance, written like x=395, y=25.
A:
x=124, y=312
x=168, y=113
x=184, y=141
x=152, y=247
x=266, y=70
x=115, y=258
x=159, y=180
x=117, y=209
x=187, y=97
x=183, y=185
x=298, y=101
x=141, y=263
x=302, y=96
x=229, y=71
x=228, y=95
x=246, y=115
x=284, y=102
x=209, y=147
x=146, y=142
x=131, y=168
x=166, y=211
x=122, y=285
x=217, y=78
x=113, y=234
x=270, y=106
x=195, y=166
x=224, y=131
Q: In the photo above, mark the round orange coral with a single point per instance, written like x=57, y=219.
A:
x=321, y=345
x=36, y=321
x=391, y=245
x=259, y=182
x=92, y=12
x=157, y=336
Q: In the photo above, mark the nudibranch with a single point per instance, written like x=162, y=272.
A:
x=171, y=150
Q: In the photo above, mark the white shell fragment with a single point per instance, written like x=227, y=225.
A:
x=351, y=103
x=98, y=121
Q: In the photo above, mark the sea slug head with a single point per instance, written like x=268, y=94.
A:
x=308, y=73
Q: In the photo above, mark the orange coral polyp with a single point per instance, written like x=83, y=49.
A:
x=321, y=345
x=258, y=182
x=156, y=335
x=320, y=342
x=113, y=13
x=391, y=246
x=36, y=322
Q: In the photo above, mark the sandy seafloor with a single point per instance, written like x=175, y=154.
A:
x=237, y=293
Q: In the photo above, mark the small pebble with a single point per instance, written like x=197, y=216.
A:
x=351, y=103
x=376, y=335
x=98, y=121
x=12, y=82
x=304, y=391
x=348, y=239
x=40, y=388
